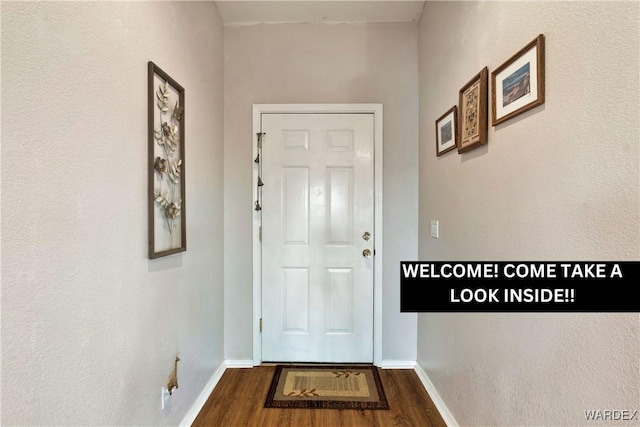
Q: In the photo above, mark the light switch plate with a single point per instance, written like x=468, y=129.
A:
x=435, y=229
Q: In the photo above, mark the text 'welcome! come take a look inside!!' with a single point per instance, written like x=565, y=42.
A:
x=518, y=286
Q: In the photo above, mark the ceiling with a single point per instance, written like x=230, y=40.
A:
x=241, y=12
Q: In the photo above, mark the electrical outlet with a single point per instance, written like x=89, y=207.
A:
x=165, y=398
x=435, y=229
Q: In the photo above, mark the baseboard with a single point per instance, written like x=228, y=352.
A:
x=204, y=395
x=239, y=363
x=397, y=364
x=435, y=397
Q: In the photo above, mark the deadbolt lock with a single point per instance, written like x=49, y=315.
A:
x=366, y=236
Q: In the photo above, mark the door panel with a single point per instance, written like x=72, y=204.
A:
x=317, y=201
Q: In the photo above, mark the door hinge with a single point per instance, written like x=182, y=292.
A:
x=260, y=233
x=261, y=324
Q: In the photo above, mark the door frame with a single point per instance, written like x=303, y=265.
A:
x=376, y=110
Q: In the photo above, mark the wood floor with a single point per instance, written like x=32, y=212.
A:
x=238, y=399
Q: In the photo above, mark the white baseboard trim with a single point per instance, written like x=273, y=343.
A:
x=204, y=395
x=447, y=416
x=239, y=363
x=397, y=364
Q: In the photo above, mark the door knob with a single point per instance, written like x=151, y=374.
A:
x=366, y=236
x=366, y=253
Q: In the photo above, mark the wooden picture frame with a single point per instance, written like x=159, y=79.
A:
x=447, y=131
x=473, y=112
x=518, y=84
x=166, y=165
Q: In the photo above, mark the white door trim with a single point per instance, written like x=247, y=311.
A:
x=376, y=110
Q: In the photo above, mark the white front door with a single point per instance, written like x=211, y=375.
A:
x=317, y=226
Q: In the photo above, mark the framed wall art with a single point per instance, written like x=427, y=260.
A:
x=518, y=84
x=447, y=131
x=473, y=112
x=166, y=165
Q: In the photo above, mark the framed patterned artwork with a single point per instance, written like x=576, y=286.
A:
x=473, y=112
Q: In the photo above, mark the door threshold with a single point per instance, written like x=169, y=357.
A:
x=317, y=363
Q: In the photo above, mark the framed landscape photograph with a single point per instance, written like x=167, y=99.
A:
x=447, y=131
x=518, y=84
x=473, y=112
x=166, y=166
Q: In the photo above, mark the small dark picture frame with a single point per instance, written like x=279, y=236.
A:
x=518, y=84
x=473, y=112
x=447, y=131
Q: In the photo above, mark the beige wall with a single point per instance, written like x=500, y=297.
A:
x=560, y=182
x=358, y=63
x=90, y=326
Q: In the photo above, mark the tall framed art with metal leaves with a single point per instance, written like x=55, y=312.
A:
x=166, y=165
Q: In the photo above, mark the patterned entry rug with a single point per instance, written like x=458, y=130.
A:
x=329, y=387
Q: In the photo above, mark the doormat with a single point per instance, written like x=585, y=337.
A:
x=326, y=387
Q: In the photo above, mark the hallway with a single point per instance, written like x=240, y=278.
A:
x=239, y=397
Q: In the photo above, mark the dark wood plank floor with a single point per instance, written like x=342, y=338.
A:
x=238, y=399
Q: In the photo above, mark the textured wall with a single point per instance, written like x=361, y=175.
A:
x=560, y=182
x=90, y=326
x=271, y=64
